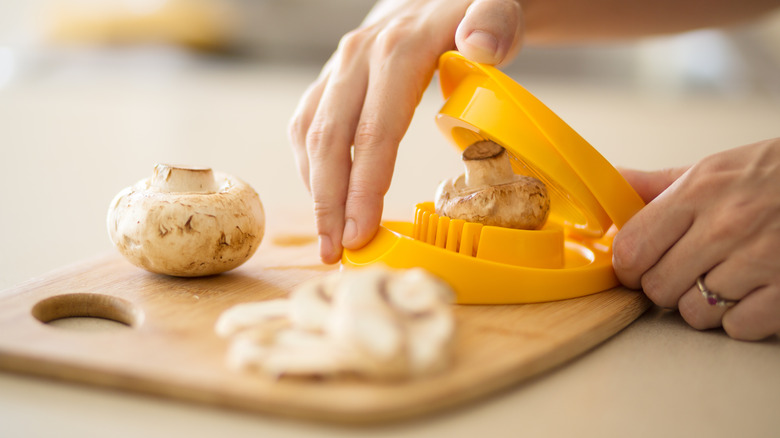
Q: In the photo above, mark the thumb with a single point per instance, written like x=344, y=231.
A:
x=491, y=31
x=651, y=184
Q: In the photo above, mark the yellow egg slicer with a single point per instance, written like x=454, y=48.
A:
x=571, y=256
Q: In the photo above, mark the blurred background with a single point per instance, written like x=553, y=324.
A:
x=94, y=92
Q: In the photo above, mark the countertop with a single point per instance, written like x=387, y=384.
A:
x=74, y=134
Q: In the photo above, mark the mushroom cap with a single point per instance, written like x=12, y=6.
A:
x=187, y=234
x=521, y=204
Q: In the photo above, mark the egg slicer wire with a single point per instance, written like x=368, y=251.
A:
x=571, y=256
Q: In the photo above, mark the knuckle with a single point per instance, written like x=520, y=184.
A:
x=510, y=6
x=363, y=194
x=756, y=321
x=626, y=259
x=324, y=209
x=693, y=187
x=625, y=254
x=742, y=331
x=670, y=174
x=653, y=287
x=710, y=164
x=369, y=134
x=739, y=324
x=702, y=179
x=354, y=41
x=396, y=35
x=694, y=315
x=317, y=138
x=725, y=225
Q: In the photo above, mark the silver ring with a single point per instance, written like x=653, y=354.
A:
x=712, y=298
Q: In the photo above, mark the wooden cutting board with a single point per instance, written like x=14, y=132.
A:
x=171, y=349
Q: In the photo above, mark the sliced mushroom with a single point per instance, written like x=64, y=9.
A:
x=299, y=352
x=414, y=291
x=245, y=353
x=490, y=193
x=247, y=315
x=376, y=323
x=310, y=303
x=187, y=222
x=365, y=323
x=430, y=326
x=430, y=346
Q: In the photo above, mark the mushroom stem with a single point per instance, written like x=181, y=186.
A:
x=487, y=164
x=184, y=179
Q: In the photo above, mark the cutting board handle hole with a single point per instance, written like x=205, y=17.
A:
x=101, y=311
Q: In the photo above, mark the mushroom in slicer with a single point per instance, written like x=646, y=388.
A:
x=490, y=193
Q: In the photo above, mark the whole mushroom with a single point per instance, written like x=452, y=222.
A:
x=490, y=193
x=187, y=221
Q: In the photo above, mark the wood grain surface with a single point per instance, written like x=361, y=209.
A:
x=171, y=350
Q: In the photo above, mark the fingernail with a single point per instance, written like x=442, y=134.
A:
x=326, y=247
x=350, y=232
x=483, y=41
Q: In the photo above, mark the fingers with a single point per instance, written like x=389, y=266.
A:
x=750, y=275
x=697, y=312
x=394, y=91
x=734, y=264
x=753, y=318
x=732, y=259
x=709, y=215
x=720, y=219
x=646, y=237
x=366, y=96
x=651, y=184
x=392, y=64
x=746, y=269
x=756, y=316
x=491, y=31
x=633, y=254
x=300, y=122
x=665, y=282
x=328, y=141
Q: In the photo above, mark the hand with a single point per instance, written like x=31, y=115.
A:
x=719, y=219
x=366, y=95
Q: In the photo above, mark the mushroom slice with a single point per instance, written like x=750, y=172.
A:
x=303, y=353
x=430, y=327
x=415, y=291
x=364, y=322
x=490, y=193
x=374, y=322
x=246, y=354
x=310, y=304
x=430, y=337
x=278, y=350
x=244, y=316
